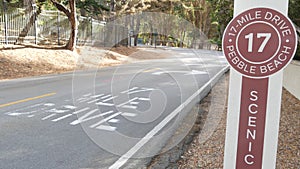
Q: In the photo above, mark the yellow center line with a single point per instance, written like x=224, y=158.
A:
x=26, y=100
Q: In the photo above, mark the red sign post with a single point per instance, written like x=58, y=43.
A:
x=258, y=43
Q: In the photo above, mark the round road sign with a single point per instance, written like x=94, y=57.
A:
x=259, y=42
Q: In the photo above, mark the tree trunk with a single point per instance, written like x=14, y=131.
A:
x=131, y=29
x=181, y=43
x=151, y=35
x=71, y=14
x=28, y=3
x=33, y=17
x=74, y=27
x=137, y=30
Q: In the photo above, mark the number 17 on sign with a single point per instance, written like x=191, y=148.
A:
x=267, y=37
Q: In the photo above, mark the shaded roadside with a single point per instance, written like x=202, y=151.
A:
x=191, y=153
x=210, y=153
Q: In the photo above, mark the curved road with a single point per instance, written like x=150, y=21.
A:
x=103, y=118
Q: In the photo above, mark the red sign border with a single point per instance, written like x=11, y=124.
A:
x=235, y=20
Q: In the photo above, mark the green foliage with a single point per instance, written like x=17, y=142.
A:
x=294, y=14
x=294, y=11
x=92, y=7
x=46, y=5
x=86, y=7
x=221, y=14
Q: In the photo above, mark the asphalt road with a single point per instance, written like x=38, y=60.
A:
x=112, y=117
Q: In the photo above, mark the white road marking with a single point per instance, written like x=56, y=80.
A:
x=61, y=118
x=104, y=104
x=49, y=116
x=144, y=99
x=30, y=116
x=105, y=127
x=129, y=114
x=185, y=72
x=191, y=59
x=84, y=117
x=18, y=114
x=69, y=107
x=114, y=120
x=124, y=158
x=58, y=111
x=86, y=99
x=134, y=103
x=126, y=91
x=212, y=65
x=82, y=98
x=87, y=95
x=106, y=100
x=142, y=90
x=129, y=107
x=93, y=101
x=49, y=104
x=82, y=110
x=193, y=64
x=106, y=113
x=105, y=120
x=99, y=95
x=28, y=107
x=160, y=72
x=196, y=72
x=122, y=104
x=104, y=97
x=33, y=113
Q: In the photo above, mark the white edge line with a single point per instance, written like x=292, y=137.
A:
x=124, y=158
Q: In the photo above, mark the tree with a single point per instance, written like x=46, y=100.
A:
x=71, y=14
x=93, y=8
x=294, y=14
x=31, y=6
x=221, y=15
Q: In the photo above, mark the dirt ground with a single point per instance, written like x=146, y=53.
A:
x=17, y=61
